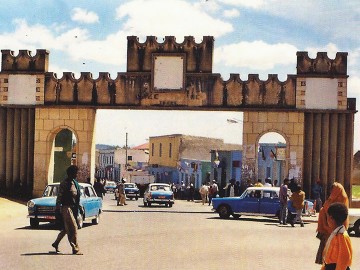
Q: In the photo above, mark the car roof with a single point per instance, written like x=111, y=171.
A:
x=263, y=188
x=81, y=184
x=159, y=184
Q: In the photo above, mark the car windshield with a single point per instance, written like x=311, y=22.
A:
x=251, y=193
x=111, y=184
x=51, y=191
x=129, y=185
x=160, y=187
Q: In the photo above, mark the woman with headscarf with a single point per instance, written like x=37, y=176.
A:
x=337, y=194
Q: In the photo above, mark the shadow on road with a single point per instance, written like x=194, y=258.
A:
x=50, y=253
x=258, y=219
x=154, y=210
x=48, y=227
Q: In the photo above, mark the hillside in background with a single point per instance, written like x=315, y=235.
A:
x=104, y=147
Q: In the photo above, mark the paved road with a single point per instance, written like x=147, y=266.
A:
x=186, y=236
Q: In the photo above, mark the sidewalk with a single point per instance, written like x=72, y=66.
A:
x=11, y=208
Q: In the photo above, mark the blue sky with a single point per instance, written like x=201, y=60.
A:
x=257, y=36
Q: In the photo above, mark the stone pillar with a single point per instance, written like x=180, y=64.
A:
x=48, y=122
x=9, y=145
x=3, y=113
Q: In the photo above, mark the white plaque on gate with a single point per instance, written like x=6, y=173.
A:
x=168, y=72
x=22, y=89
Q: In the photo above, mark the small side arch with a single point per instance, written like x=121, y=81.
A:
x=62, y=147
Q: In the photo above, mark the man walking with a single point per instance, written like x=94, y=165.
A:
x=283, y=196
x=67, y=203
x=122, y=197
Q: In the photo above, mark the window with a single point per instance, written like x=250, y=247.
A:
x=129, y=158
x=170, y=150
x=160, y=149
x=152, y=149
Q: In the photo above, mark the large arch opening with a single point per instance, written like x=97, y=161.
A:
x=130, y=129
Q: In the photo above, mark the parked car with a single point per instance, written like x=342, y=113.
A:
x=259, y=201
x=131, y=191
x=158, y=193
x=43, y=209
x=354, y=221
x=110, y=186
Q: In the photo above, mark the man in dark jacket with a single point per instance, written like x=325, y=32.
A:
x=99, y=188
x=232, y=190
x=67, y=203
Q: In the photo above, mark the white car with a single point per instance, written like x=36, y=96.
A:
x=354, y=218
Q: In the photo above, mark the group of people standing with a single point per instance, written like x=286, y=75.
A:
x=335, y=249
x=208, y=191
x=297, y=196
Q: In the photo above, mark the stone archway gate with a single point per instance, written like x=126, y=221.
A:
x=310, y=109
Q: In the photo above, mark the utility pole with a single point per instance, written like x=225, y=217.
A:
x=126, y=155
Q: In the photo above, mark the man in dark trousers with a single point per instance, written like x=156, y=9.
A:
x=67, y=202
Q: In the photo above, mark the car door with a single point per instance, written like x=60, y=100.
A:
x=90, y=202
x=248, y=203
x=96, y=202
x=269, y=202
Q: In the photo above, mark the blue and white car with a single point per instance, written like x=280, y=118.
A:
x=256, y=201
x=43, y=209
x=158, y=193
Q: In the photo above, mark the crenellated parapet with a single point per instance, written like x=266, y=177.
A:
x=125, y=89
x=172, y=74
x=201, y=90
x=199, y=56
x=322, y=65
x=254, y=92
x=24, y=62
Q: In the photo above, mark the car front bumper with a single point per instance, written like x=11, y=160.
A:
x=160, y=201
x=42, y=217
x=132, y=195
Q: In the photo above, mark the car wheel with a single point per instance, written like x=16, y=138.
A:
x=149, y=203
x=34, y=222
x=236, y=216
x=170, y=204
x=224, y=211
x=96, y=220
x=136, y=198
x=145, y=204
x=356, y=228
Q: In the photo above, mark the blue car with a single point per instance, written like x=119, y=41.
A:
x=256, y=201
x=131, y=191
x=43, y=209
x=160, y=194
